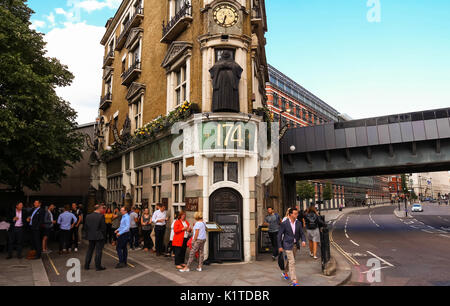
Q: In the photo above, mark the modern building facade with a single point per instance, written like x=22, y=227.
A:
x=158, y=139
x=294, y=106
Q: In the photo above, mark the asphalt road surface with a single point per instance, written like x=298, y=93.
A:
x=386, y=250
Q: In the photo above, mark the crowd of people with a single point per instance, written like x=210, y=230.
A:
x=37, y=225
x=125, y=228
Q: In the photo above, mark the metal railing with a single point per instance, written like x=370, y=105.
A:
x=126, y=27
x=185, y=10
x=108, y=56
x=106, y=98
x=134, y=66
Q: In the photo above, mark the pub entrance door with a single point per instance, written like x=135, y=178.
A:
x=225, y=206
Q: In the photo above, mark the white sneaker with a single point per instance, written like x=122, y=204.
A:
x=311, y=254
x=181, y=270
x=315, y=257
x=199, y=270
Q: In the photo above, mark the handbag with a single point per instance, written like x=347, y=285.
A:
x=281, y=261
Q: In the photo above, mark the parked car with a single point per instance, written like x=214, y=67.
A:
x=417, y=208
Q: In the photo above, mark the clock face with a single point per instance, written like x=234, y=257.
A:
x=226, y=15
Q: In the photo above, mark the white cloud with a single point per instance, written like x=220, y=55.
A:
x=51, y=19
x=36, y=24
x=93, y=5
x=77, y=45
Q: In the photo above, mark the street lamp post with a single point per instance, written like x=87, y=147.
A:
x=283, y=190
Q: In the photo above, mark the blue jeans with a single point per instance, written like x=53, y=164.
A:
x=121, y=248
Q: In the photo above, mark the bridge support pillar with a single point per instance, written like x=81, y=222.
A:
x=290, y=193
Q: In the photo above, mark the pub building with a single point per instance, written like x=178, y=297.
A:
x=182, y=114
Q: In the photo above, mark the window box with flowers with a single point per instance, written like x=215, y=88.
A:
x=154, y=128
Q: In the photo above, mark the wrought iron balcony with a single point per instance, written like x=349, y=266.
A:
x=177, y=24
x=134, y=21
x=132, y=73
x=109, y=59
x=106, y=101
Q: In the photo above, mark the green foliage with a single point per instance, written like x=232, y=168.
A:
x=37, y=138
x=328, y=192
x=305, y=190
x=404, y=184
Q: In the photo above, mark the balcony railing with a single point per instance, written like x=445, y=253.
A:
x=134, y=21
x=109, y=59
x=178, y=23
x=132, y=73
x=105, y=102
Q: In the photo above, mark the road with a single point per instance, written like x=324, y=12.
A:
x=407, y=252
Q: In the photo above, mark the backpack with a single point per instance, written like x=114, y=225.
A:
x=311, y=221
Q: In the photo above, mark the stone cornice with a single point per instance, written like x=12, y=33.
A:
x=112, y=25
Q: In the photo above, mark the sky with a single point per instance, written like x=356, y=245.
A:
x=363, y=57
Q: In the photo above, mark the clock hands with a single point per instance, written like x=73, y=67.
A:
x=224, y=20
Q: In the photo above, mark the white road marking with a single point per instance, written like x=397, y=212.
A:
x=446, y=236
x=129, y=279
x=381, y=259
x=377, y=269
x=347, y=236
x=427, y=231
x=354, y=243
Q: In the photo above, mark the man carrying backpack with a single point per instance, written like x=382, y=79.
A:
x=273, y=221
x=313, y=224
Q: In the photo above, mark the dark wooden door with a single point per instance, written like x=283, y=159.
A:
x=226, y=210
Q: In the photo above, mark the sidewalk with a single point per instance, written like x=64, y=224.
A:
x=263, y=272
x=22, y=272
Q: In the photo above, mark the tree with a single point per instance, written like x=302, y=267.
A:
x=328, y=193
x=37, y=128
x=305, y=190
x=405, y=189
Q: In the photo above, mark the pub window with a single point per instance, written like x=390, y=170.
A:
x=226, y=172
x=156, y=186
x=179, y=186
x=219, y=173
x=233, y=172
x=114, y=193
x=139, y=187
x=219, y=53
x=304, y=114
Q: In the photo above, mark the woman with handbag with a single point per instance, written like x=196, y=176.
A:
x=181, y=231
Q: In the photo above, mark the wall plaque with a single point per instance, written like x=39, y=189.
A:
x=191, y=204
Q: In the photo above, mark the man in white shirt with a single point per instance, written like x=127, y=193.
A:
x=160, y=219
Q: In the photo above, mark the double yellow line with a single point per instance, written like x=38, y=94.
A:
x=341, y=250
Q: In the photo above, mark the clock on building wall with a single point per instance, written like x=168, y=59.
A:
x=226, y=15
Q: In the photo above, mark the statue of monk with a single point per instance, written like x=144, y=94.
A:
x=225, y=75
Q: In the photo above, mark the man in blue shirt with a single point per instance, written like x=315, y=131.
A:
x=66, y=222
x=123, y=236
